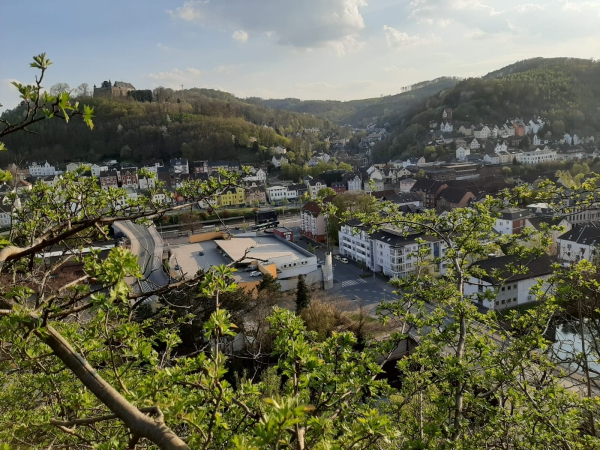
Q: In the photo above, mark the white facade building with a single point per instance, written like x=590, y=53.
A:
x=446, y=127
x=461, y=153
x=42, y=170
x=511, y=289
x=98, y=169
x=581, y=242
x=537, y=156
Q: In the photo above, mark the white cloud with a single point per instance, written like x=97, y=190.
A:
x=529, y=7
x=176, y=77
x=240, y=35
x=581, y=6
x=394, y=69
x=477, y=34
x=396, y=38
x=305, y=24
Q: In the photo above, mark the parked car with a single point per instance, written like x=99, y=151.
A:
x=255, y=274
x=344, y=260
x=337, y=257
x=320, y=262
x=200, y=253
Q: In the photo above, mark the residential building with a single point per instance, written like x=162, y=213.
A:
x=129, y=179
x=339, y=187
x=354, y=181
x=447, y=114
x=512, y=220
x=109, y=179
x=429, y=191
x=481, y=132
x=277, y=163
x=232, y=196
x=537, y=156
x=279, y=150
x=72, y=167
x=314, y=186
x=446, y=127
x=296, y=191
x=42, y=170
x=454, y=197
x=276, y=193
x=312, y=223
x=255, y=193
x=146, y=183
x=355, y=243
x=581, y=242
x=537, y=223
x=461, y=153
x=440, y=174
x=5, y=215
x=152, y=165
x=258, y=175
x=465, y=130
x=180, y=165
x=511, y=289
x=474, y=144
x=395, y=254
x=97, y=169
x=406, y=184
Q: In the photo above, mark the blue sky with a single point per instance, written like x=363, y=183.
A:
x=310, y=49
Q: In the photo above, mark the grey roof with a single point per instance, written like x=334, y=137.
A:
x=122, y=84
x=454, y=194
x=427, y=185
x=535, y=267
x=586, y=235
x=514, y=213
x=398, y=240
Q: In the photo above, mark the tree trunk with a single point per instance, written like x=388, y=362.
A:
x=138, y=423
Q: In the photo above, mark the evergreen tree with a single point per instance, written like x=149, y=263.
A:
x=302, y=295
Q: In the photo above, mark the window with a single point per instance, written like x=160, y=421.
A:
x=502, y=289
x=508, y=288
x=514, y=286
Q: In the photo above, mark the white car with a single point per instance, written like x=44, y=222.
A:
x=255, y=274
x=344, y=260
x=338, y=257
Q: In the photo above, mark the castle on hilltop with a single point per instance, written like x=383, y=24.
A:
x=118, y=89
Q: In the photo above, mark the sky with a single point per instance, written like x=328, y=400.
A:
x=308, y=49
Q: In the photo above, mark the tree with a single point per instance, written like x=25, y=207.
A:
x=325, y=192
x=310, y=248
x=83, y=90
x=506, y=171
x=59, y=88
x=126, y=152
x=525, y=143
x=302, y=295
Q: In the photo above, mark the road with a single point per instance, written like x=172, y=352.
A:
x=147, y=244
x=350, y=281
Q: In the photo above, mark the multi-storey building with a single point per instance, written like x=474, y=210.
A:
x=312, y=222
x=42, y=170
x=180, y=165
x=109, y=179
x=129, y=179
x=232, y=196
x=511, y=220
x=537, y=156
x=581, y=242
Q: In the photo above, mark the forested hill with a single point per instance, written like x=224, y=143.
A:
x=564, y=90
x=357, y=112
x=194, y=123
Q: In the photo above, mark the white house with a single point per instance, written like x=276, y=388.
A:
x=146, y=183
x=581, y=242
x=511, y=220
x=568, y=139
x=354, y=181
x=474, y=145
x=537, y=156
x=314, y=186
x=461, y=153
x=491, y=158
x=510, y=289
x=42, y=170
x=258, y=175
x=446, y=127
x=5, y=215
x=276, y=193
x=355, y=243
x=96, y=169
x=481, y=132
x=279, y=150
x=279, y=162
x=501, y=147
x=394, y=254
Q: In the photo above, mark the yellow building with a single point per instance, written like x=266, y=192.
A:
x=232, y=196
